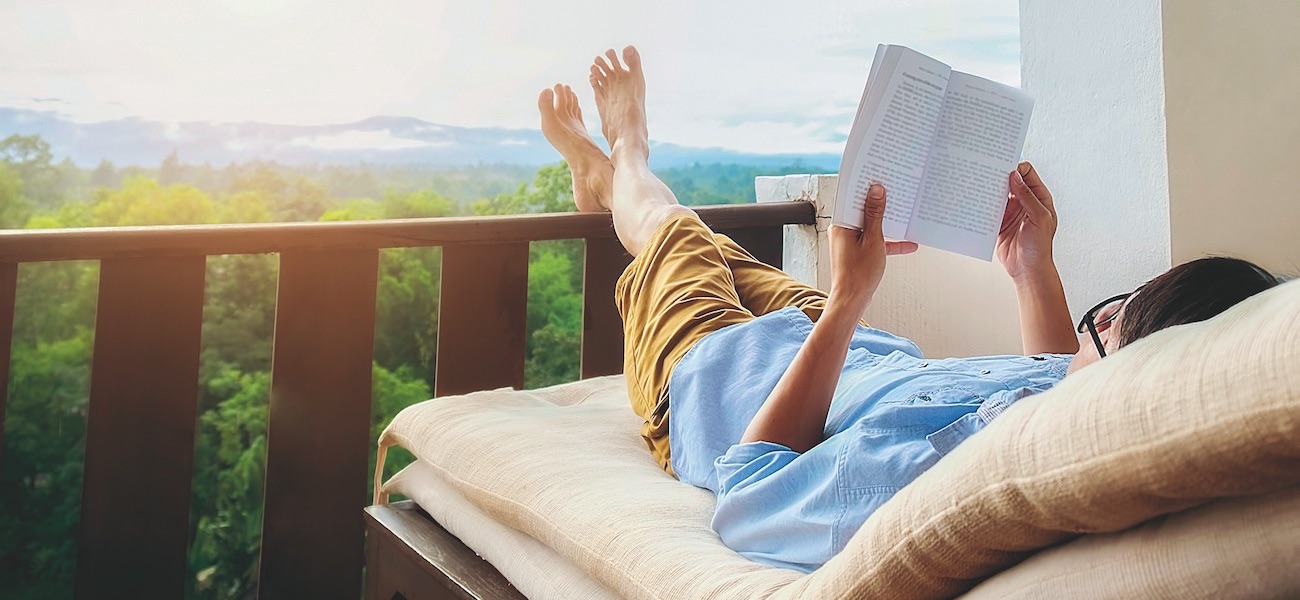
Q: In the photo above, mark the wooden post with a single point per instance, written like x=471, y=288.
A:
x=484, y=308
x=318, y=437
x=144, y=387
x=602, y=327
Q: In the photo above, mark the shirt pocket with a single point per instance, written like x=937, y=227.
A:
x=926, y=392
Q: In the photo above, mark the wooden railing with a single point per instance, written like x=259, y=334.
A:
x=145, y=371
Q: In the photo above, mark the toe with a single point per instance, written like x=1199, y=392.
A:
x=570, y=101
x=602, y=66
x=561, y=100
x=546, y=101
x=632, y=58
x=613, y=60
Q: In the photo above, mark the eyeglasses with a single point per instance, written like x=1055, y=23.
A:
x=1100, y=317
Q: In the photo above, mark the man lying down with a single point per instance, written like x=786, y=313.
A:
x=802, y=420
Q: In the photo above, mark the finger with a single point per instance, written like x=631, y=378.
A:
x=1035, y=183
x=1012, y=214
x=873, y=213
x=903, y=247
x=1020, y=190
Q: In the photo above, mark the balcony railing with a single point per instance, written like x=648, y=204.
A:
x=145, y=371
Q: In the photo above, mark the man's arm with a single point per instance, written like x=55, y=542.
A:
x=1025, y=249
x=794, y=414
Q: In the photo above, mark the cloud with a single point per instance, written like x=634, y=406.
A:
x=363, y=140
x=996, y=47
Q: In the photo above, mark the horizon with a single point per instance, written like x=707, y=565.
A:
x=260, y=62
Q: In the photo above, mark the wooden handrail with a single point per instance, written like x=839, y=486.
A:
x=92, y=243
x=141, y=427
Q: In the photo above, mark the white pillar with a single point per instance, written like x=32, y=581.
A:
x=805, y=245
x=1098, y=138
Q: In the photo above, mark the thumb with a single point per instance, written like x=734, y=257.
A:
x=873, y=213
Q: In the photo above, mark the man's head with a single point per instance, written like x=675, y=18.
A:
x=1188, y=293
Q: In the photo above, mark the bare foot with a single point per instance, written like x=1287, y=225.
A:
x=620, y=96
x=593, y=175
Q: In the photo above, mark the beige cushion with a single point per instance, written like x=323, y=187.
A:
x=1187, y=415
x=535, y=569
x=1243, y=548
x=579, y=478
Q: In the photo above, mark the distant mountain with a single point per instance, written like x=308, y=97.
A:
x=377, y=140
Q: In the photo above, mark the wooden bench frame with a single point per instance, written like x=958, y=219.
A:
x=142, y=408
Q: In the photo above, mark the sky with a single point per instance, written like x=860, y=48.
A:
x=767, y=76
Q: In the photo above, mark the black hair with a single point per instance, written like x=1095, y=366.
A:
x=1191, y=292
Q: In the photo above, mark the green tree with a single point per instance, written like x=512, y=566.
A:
x=30, y=155
x=551, y=191
x=406, y=310
x=104, y=175
x=143, y=201
x=15, y=209
x=40, y=478
x=554, y=331
x=229, y=470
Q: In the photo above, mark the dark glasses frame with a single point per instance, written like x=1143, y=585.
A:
x=1090, y=322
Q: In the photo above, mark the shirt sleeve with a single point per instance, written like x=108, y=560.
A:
x=765, y=502
x=749, y=463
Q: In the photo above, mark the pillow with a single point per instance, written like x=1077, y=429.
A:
x=1183, y=416
x=1235, y=548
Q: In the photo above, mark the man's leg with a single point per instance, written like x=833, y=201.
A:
x=763, y=288
x=642, y=201
x=678, y=288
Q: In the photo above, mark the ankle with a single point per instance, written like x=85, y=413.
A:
x=630, y=147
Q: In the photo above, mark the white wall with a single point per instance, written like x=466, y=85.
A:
x=1098, y=138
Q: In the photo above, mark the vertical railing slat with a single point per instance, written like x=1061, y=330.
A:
x=483, y=318
x=602, y=328
x=140, y=426
x=765, y=243
x=318, y=434
x=8, y=290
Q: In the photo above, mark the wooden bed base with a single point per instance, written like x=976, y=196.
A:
x=409, y=556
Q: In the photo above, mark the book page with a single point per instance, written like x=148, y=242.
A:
x=854, y=141
x=895, y=143
x=981, y=133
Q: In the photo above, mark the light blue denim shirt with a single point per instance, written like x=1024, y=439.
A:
x=893, y=415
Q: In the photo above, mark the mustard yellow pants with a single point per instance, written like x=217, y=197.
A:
x=687, y=283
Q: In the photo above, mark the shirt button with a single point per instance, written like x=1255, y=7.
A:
x=924, y=364
x=985, y=372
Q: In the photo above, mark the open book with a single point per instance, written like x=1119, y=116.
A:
x=942, y=142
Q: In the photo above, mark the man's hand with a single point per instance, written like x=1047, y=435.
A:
x=1025, y=249
x=858, y=257
x=1028, y=226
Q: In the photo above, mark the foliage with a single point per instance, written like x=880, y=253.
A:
x=40, y=476
x=229, y=469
